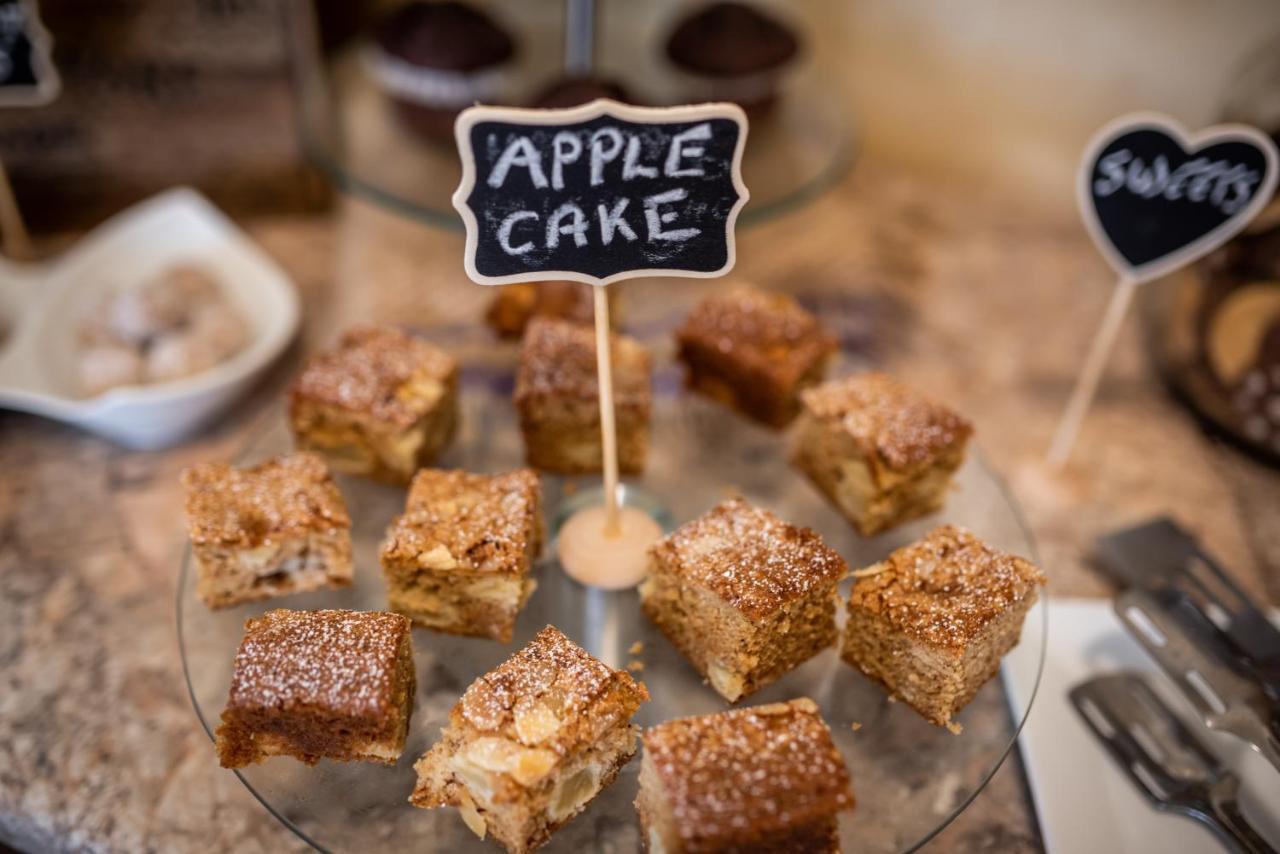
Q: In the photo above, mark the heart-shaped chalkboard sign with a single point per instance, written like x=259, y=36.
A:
x=1155, y=198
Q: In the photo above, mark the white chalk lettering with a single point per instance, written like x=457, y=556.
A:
x=1243, y=181
x=611, y=220
x=555, y=226
x=1224, y=185
x=679, y=150
x=1201, y=183
x=1176, y=186
x=1113, y=167
x=600, y=155
x=519, y=152
x=1140, y=179
x=631, y=165
x=565, y=148
x=655, y=218
x=504, y=233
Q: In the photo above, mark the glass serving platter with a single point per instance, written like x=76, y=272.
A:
x=910, y=778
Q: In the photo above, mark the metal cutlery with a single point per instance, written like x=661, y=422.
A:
x=1160, y=555
x=1206, y=613
x=1173, y=634
x=1163, y=758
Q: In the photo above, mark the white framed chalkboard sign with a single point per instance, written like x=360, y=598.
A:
x=1154, y=197
x=601, y=192
x=28, y=77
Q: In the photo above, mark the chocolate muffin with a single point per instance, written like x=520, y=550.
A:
x=434, y=59
x=732, y=52
x=575, y=91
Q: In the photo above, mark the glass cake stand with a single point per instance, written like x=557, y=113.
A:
x=910, y=778
x=349, y=129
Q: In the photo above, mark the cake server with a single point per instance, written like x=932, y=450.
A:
x=1172, y=633
x=1163, y=758
x=1159, y=554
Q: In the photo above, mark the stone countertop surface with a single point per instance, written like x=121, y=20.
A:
x=983, y=304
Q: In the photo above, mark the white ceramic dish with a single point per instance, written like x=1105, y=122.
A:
x=1084, y=802
x=41, y=306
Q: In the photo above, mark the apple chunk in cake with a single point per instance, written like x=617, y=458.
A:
x=458, y=559
x=532, y=742
x=933, y=619
x=743, y=595
x=275, y=528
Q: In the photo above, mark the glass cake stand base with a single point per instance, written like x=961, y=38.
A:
x=911, y=778
x=629, y=495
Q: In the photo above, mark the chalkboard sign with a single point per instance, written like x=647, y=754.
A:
x=27, y=75
x=1155, y=199
x=600, y=192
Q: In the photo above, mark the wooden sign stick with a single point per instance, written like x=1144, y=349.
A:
x=608, y=427
x=13, y=231
x=1095, y=364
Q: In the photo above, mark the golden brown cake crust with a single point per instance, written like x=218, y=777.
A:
x=513, y=306
x=485, y=522
x=281, y=498
x=277, y=665
x=768, y=332
x=750, y=558
x=899, y=427
x=319, y=684
x=558, y=360
x=945, y=589
x=587, y=696
x=367, y=371
x=734, y=777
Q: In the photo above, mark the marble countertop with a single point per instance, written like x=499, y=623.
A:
x=988, y=306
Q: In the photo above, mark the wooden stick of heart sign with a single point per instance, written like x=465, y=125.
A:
x=597, y=194
x=1155, y=198
x=28, y=78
